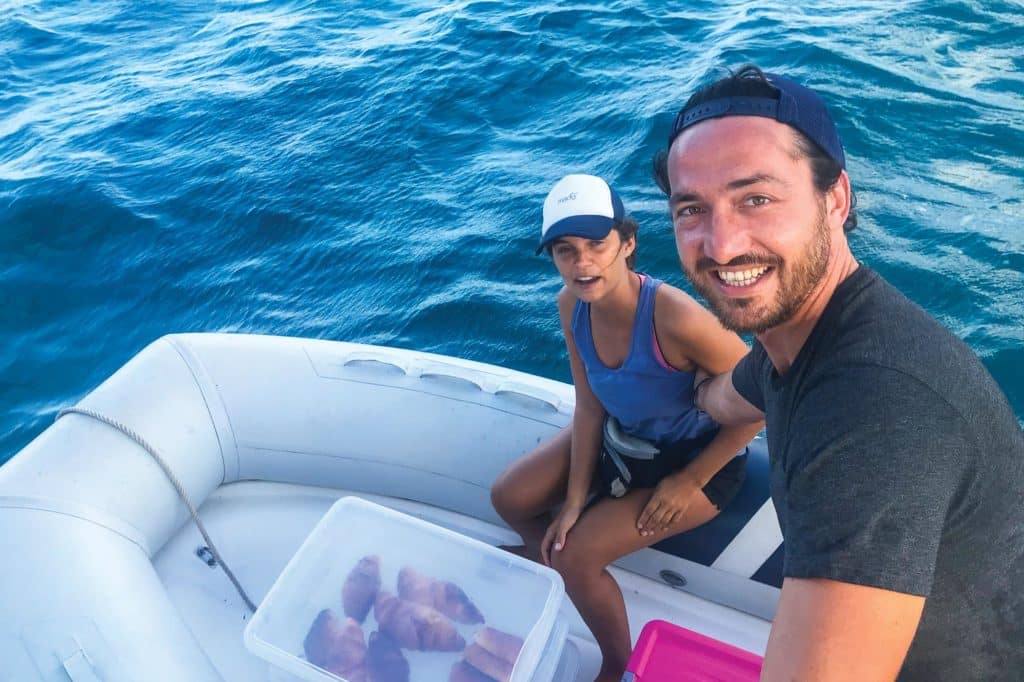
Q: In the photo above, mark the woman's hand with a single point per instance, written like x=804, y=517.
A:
x=668, y=504
x=556, y=533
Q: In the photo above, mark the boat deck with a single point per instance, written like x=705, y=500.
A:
x=258, y=526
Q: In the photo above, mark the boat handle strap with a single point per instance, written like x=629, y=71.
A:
x=177, y=486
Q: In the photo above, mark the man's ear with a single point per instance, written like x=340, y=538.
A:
x=838, y=199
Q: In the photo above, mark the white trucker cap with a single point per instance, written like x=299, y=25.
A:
x=580, y=206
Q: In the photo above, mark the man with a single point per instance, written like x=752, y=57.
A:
x=897, y=465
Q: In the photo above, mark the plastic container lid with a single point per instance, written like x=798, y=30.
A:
x=512, y=595
x=669, y=652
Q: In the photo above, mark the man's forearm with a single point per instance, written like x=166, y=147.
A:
x=717, y=397
x=720, y=451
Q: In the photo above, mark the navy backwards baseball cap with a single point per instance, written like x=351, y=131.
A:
x=580, y=206
x=795, y=105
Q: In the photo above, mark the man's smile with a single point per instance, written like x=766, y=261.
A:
x=742, y=278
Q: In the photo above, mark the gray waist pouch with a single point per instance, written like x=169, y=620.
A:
x=626, y=461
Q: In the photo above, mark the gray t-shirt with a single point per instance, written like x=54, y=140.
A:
x=896, y=462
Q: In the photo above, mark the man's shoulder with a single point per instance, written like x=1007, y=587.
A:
x=870, y=310
x=881, y=351
x=873, y=324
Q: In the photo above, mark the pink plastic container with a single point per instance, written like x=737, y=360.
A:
x=669, y=653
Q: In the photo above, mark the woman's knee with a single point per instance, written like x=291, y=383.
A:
x=504, y=498
x=534, y=483
x=511, y=499
x=577, y=562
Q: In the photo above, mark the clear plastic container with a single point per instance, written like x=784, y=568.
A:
x=512, y=595
x=560, y=660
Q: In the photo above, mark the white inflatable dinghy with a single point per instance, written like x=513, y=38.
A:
x=106, y=577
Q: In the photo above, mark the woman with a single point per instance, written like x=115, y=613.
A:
x=634, y=345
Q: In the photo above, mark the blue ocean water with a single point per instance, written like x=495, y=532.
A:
x=373, y=171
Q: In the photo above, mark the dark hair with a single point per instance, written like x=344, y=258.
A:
x=627, y=227
x=750, y=81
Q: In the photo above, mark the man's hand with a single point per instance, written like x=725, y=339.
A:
x=668, y=504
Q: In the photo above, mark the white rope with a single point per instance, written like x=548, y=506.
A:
x=177, y=486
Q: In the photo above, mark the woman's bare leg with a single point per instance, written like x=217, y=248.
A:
x=606, y=532
x=524, y=493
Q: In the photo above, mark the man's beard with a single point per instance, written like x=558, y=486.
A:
x=795, y=284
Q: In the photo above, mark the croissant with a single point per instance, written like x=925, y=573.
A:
x=384, y=660
x=437, y=633
x=336, y=647
x=446, y=597
x=488, y=663
x=464, y=672
x=396, y=621
x=355, y=675
x=361, y=587
x=415, y=626
x=501, y=644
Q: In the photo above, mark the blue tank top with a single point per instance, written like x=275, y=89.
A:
x=649, y=399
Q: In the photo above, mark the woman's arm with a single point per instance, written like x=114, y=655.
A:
x=586, y=439
x=690, y=335
x=672, y=495
x=694, y=336
x=587, y=418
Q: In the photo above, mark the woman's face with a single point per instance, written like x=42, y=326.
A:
x=591, y=267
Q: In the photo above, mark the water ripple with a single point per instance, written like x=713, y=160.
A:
x=374, y=173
